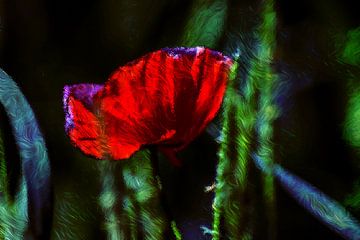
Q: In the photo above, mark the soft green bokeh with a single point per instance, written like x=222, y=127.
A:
x=353, y=200
x=351, y=50
x=349, y=53
x=206, y=23
x=352, y=120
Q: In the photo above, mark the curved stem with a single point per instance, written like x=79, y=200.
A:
x=36, y=180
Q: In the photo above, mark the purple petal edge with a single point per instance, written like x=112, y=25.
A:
x=83, y=92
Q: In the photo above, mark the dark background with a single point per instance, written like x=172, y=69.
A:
x=47, y=44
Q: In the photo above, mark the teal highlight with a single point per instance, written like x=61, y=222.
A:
x=317, y=203
x=35, y=189
x=13, y=215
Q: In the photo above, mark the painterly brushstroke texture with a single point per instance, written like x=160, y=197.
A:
x=34, y=197
x=206, y=23
x=231, y=208
x=131, y=202
x=72, y=216
x=247, y=124
x=141, y=186
x=317, y=203
x=108, y=198
x=267, y=81
x=166, y=98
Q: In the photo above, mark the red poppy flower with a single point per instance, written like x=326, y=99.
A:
x=166, y=97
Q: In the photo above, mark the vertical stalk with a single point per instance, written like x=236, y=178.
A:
x=232, y=210
x=108, y=199
x=267, y=110
x=205, y=27
x=131, y=205
x=141, y=184
x=244, y=116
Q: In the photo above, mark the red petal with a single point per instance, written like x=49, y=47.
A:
x=86, y=130
x=166, y=97
x=200, y=82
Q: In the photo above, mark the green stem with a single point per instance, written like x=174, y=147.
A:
x=231, y=209
x=267, y=111
x=140, y=182
x=13, y=214
x=108, y=199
